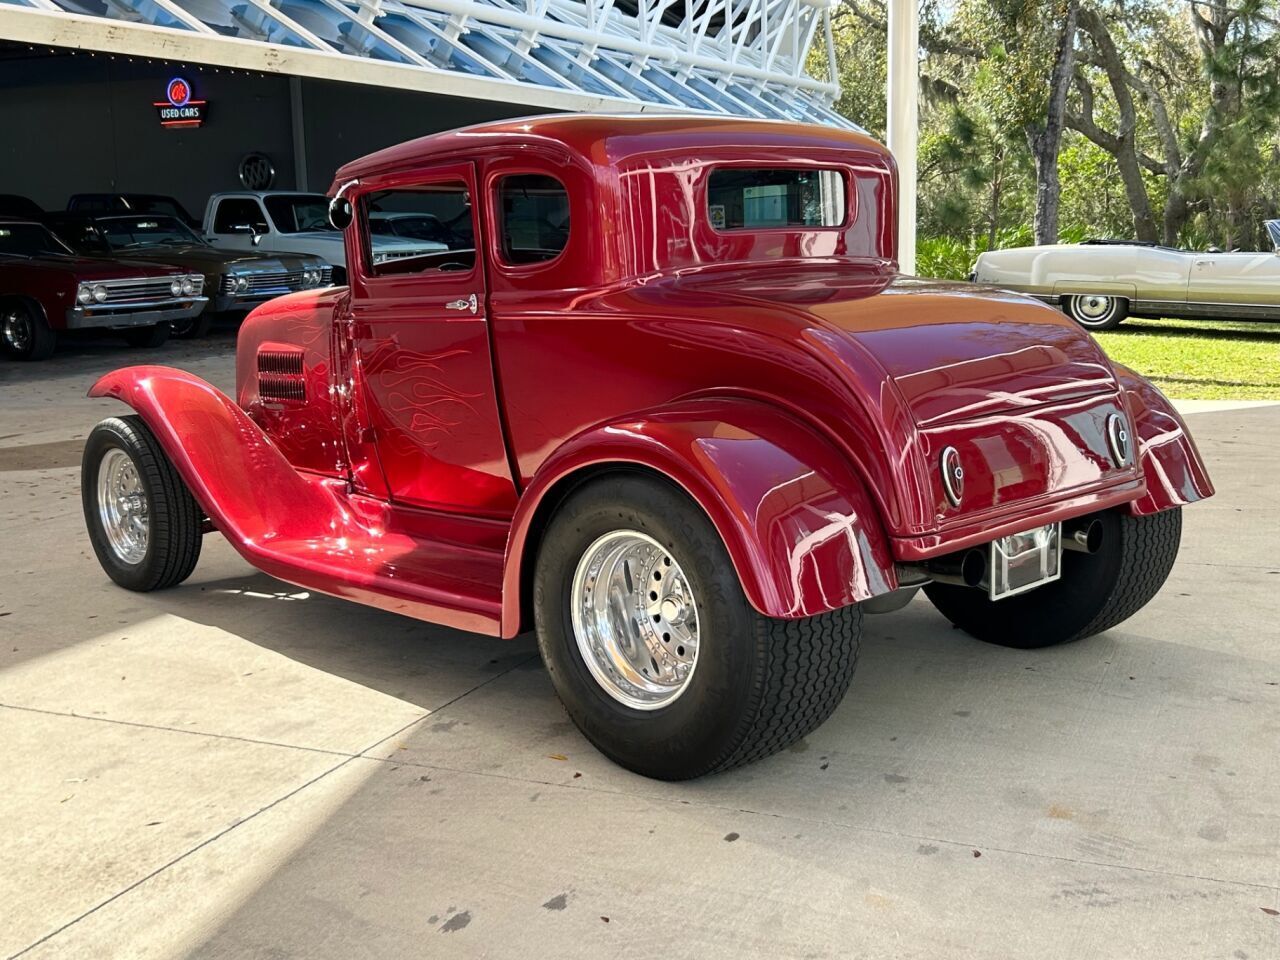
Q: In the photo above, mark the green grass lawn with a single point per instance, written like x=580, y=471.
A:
x=1201, y=359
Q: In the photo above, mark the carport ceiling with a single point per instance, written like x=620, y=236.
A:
x=738, y=57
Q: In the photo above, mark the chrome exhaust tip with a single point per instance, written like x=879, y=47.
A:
x=1082, y=536
x=968, y=568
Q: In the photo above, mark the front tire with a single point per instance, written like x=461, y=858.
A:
x=24, y=333
x=1096, y=591
x=192, y=328
x=653, y=648
x=143, y=522
x=1095, y=311
x=148, y=338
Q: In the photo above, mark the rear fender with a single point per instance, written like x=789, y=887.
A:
x=1171, y=465
x=243, y=483
x=799, y=525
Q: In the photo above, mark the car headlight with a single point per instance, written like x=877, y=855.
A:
x=188, y=286
x=175, y=286
x=380, y=258
x=85, y=293
x=100, y=293
x=242, y=283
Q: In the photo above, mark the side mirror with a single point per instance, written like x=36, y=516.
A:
x=340, y=213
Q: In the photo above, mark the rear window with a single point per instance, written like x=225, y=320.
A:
x=533, y=218
x=761, y=198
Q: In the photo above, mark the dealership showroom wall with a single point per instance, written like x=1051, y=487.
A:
x=107, y=134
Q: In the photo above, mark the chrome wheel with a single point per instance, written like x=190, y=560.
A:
x=16, y=331
x=122, y=506
x=635, y=619
x=1094, y=310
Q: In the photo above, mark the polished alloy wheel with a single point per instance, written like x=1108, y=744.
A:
x=16, y=330
x=635, y=619
x=122, y=506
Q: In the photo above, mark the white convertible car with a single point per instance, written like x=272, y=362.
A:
x=1100, y=282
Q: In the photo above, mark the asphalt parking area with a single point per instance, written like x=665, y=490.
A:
x=237, y=768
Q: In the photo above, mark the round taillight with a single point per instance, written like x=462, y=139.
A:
x=952, y=475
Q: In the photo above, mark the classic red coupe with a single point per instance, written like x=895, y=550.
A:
x=668, y=401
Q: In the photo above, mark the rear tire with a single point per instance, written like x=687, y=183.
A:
x=1096, y=591
x=24, y=333
x=756, y=686
x=1095, y=311
x=143, y=522
x=148, y=338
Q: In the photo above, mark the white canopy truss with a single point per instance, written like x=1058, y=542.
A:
x=737, y=57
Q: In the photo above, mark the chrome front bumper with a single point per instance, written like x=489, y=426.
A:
x=120, y=316
x=234, y=302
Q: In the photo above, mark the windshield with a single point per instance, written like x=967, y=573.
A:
x=163, y=206
x=421, y=226
x=29, y=240
x=299, y=212
x=124, y=232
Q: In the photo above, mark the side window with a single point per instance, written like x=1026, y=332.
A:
x=234, y=214
x=420, y=230
x=533, y=218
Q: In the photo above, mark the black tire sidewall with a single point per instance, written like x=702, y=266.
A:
x=192, y=329
x=1119, y=310
x=148, y=338
x=1082, y=602
x=693, y=733
x=43, y=339
x=105, y=437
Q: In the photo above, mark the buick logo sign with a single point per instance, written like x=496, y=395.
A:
x=952, y=475
x=257, y=172
x=1118, y=439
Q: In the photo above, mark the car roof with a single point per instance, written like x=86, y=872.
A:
x=267, y=193
x=602, y=138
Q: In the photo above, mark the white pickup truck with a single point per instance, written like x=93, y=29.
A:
x=286, y=221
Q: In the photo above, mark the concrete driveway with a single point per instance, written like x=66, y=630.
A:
x=236, y=768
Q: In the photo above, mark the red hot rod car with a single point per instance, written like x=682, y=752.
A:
x=667, y=401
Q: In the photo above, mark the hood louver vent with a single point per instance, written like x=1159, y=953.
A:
x=280, y=376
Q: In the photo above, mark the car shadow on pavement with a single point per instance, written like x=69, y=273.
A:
x=1249, y=330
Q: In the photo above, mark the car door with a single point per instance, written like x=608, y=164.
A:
x=420, y=336
x=1226, y=278
x=235, y=219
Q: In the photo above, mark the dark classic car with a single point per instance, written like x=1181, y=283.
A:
x=96, y=204
x=236, y=281
x=18, y=207
x=45, y=287
x=675, y=410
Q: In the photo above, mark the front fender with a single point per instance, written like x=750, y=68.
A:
x=799, y=525
x=1171, y=465
x=244, y=484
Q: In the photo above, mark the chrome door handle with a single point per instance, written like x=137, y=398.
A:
x=470, y=303
x=1204, y=263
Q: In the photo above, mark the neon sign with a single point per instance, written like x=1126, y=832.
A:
x=179, y=108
